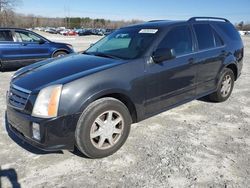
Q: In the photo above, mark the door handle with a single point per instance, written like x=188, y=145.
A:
x=191, y=61
x=23, y=44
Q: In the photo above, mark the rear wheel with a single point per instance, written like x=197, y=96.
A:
x=1, y=67
x=59, y=54
x=103, y=128
x=225, y=87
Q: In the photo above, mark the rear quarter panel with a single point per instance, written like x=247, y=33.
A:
x=234, y=49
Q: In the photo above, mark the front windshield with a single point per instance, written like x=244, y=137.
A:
x=128, y=43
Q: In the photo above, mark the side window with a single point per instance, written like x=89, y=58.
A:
x=26, y=36
x=179, y=39
x=205, y=36
x=229, y=30
x=217, y=39
x=6, y=36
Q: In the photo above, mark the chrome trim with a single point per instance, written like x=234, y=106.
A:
x=200, y=51
x=20, y=89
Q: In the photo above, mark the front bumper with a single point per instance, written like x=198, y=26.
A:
x=56, y=134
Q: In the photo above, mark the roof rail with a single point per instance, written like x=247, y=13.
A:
x=207, y=18
x=156, y=20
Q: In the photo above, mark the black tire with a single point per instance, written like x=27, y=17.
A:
x=218, y=96
x=87, y=120
x=60, y=54
x=1, y=67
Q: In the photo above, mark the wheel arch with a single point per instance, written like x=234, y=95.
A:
x=234, y=68
x=126, y=101
x=117, y=94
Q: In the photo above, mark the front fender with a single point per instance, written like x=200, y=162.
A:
x=78, y=95
x=126, y=79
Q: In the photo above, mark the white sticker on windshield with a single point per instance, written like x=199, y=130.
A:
x=150, y=31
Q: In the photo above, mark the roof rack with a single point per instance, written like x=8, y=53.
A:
x=207, y=18
x=156, y=20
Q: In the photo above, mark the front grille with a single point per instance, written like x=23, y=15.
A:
x=18, y=97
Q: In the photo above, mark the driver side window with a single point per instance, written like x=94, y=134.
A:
x=26, y=36
x=179, y=39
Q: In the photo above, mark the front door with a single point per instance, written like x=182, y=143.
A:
x=173, y=81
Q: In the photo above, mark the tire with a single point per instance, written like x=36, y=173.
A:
x=110, y=119
x=223, y=93
x=1, y=67
x=60, y=54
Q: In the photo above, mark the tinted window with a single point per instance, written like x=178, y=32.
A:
x=205, y=37
x=229, y=30
x=5, y=36
x=179, y=39
x=218, y=41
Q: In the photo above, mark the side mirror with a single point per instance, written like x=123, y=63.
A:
x=163, y=54
x=92, y=44
x=41, y=41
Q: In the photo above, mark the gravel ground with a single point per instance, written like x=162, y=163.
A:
x=198, y=144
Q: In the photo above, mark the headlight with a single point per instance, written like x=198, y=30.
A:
x=47, y=102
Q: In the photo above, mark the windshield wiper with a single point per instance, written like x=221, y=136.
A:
x=87, y=53
x=100, y=54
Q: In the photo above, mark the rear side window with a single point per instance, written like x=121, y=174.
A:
x=229, y=30
x=205, y=36
x=217, y=39
x=6, y=36
x=179, y=39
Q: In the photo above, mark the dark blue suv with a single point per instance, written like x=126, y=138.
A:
x=89, y=100
x=20, y=47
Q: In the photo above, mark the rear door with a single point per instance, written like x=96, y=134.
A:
x=210, y=54
x=31, y=47
x=9, y=50
x=173, y=81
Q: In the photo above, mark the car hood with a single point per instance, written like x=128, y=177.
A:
x=60, y=71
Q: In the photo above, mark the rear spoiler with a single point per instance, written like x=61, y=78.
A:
x=193, y=19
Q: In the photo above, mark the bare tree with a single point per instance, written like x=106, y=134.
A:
x=6, y=11
x=8, y=4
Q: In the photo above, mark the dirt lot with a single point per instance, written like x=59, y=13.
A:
x=198, y=144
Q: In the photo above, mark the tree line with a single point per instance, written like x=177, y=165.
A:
x=9, y=18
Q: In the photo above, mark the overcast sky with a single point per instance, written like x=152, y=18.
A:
x=234, y=10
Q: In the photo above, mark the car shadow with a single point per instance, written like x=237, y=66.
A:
x=10, y=69
x=25, y=145
x=78, y=153
x=206, y=100
x=11, y=175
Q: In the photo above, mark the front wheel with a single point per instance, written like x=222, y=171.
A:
x=225, y=87
x=59, y=54
x=103, y=128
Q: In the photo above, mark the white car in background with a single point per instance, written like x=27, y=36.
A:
x=63, y=32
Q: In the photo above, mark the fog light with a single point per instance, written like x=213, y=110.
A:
x=36, y=131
